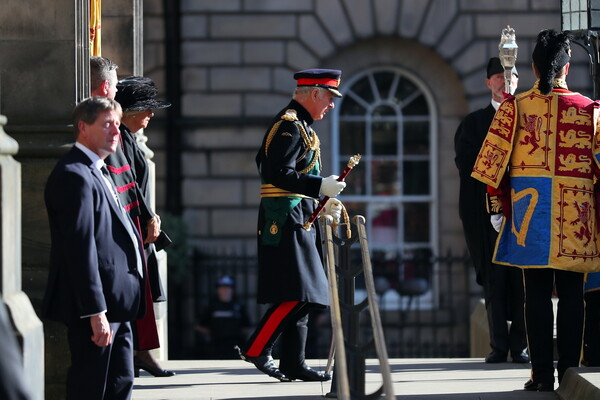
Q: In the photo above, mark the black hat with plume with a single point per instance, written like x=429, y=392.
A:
x=137, y=93
x=551, y=53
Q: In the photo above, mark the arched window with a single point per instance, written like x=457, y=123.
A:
x=387, y=116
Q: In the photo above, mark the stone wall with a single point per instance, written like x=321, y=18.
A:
x=238, y=57
x=43, y=74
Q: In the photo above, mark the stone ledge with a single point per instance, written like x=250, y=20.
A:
x=581, y=384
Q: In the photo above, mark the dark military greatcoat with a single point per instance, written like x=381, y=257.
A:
x=289, y=256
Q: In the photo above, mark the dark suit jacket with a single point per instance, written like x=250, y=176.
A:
x=92, y=258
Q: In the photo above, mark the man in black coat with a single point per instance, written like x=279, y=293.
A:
x=502, y=286
x=95, y=282
x=291, y=277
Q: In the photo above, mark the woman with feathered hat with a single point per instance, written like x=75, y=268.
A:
x=130, y=172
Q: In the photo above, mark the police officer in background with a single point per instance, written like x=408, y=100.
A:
x=291, y=276
x=224, y=322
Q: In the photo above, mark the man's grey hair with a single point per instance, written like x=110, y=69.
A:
x=100, y=70
x=303, y=91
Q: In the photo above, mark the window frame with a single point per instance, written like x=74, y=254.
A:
x=398, y=199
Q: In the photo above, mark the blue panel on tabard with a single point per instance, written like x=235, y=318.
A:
x=535, y=229
x=592, y=281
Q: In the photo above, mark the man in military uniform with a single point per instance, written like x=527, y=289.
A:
x=291, y=277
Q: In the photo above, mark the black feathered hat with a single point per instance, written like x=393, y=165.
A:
x=551, y=53
x=137, y=93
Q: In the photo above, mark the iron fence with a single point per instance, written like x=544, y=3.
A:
x=420, y=319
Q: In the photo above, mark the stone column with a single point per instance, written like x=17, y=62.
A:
x=27, y=325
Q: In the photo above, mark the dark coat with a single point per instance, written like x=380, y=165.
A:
x=293, y=269
x=92, y=258
x=129, y=169
x=479, y=232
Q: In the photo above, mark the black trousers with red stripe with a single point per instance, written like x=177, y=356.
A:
x=287, y=322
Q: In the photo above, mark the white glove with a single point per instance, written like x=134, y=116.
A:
x=496, y=220
x=331, y=187
x=333, y=207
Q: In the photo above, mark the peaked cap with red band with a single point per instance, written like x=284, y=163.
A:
x=326, y=78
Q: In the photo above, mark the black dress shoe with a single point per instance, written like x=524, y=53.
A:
x=155, y=371
x=529, y=385
x=305, y=373
x=521, y=358
x=264, y=364
x=495, y=357
x=539, y=386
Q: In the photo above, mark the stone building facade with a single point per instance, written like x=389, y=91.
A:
x=227, y=67
x=44, y=72
x=412, y=70
x=235, y=61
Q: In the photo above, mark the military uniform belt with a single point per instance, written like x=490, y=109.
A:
x=268, y=190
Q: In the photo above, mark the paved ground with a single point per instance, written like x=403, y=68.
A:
x=413, y=379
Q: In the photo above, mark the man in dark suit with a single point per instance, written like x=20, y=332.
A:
x=291, y=277
x=502, y=286
x=95, y=282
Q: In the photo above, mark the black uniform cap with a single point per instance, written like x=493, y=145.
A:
x=226, y=281
x=325, y=78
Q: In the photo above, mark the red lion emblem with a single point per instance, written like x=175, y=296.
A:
x=533, y=124
x=583, y=216
x=489, y=158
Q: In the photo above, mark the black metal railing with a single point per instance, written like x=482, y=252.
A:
x=420, y=319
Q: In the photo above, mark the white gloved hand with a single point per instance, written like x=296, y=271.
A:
x=333, y=207
x=331, y=187
x=496, y=220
